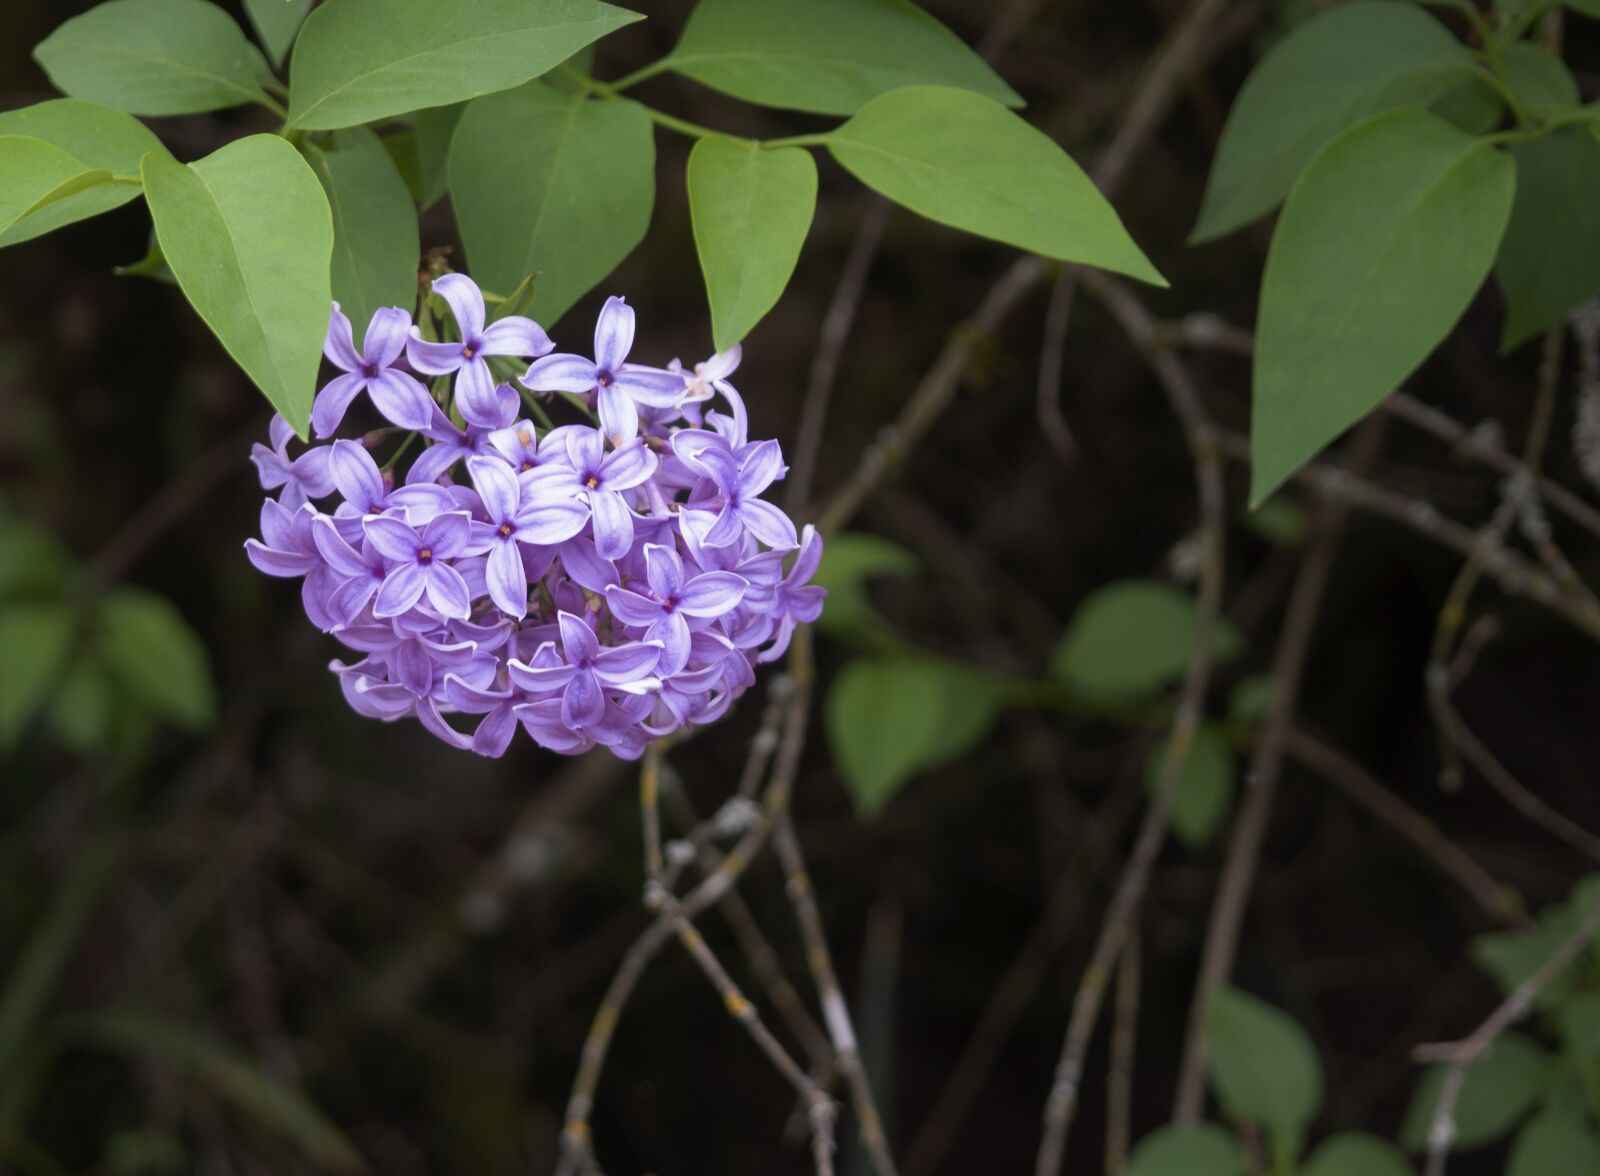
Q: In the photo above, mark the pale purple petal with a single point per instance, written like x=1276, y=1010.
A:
x=514, y=335
x=339, y=344
x=619, y=419
x=447, y=591
x=348, y=599
x=494, y=733
x=356, y=475
x=476, y=397
x=627, y=467
x=409, y=662
x=431, y=358
x=508, y=580
x=552, y=521
x=653, y=386
x=578, y=641
x=583, y=703
x=613, y=335
x=632, y=609
x=561, y=373
x=393, y=539
x=539, y=679
x=274, y=562
x=401, y=590
x=810, y=557
x=386, y=336
x=433, y=462
x=448, y=535
x=673, y=633
x=613, y=524
x=310, y=469
x=762, y=465
x=585, y=566
x=712, y=593
x=466, y=302
x=340, y=556
x=497, y=487
x=663, y=570
x=401, y=399
x=767, y=523
x=333, y=401
x=805, y=604
x=628, y=663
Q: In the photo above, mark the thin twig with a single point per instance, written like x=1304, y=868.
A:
x=1119, y=1075
x=1460, y=1055
x=1052, y=361
x=1250, y=826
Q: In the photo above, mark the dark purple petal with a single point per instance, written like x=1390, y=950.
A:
x=400, y=591
x=494, y=734
x=613, y=524
x=386, y=336
x=542, y=721
x=583, y=563
x=339, y=345
x=613, y=334
x=348, y=599
x=712, y=593
x=333, y=401
x=466, y=302
x=356, y=475
x=508, y=580
x=561, y=373
x=401, y=399
x=514, y=335
x=805, y=604
x=410, y=665
x=433, y=359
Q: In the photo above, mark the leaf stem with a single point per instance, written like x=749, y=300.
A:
x=670, y=122
x=272, y=104
x=642, y=73
x=816, y=139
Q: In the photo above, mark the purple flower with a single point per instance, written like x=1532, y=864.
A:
x=359, y=573
x=301, y=477
x=420, y=564
x=674, y=598
x=587, y=671
x=451, y=445
x=621, y=384
x=474, y=385
x=396, y=394
x=518, y=512
x=599, y=478
x=740, y=482
x=798, y=600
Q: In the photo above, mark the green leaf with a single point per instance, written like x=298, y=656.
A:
x=1204, y=792
x=224, y=1072
x=31, y=975
x=554, y=184
x=81, y=712
x=158, y=657
x=1133, y=637
x=1500, y=1088
x=1587, y=7
x=1580, y=1024
x=826, y=56
x=35, y=176
x=436, y=126
x=1250, y=699
x=248, y=234
x=849, y=560
x=376, y=249
x=1280, y=520
x=1513, y=956
x=155, y=57
x=362, y=60
x=1330, y=73
x=1473, y=105
x=964, y=160
x=34, y=642
x=1381, y=246
x=1553, y=1144
x=1354, y=1153
x=276, y=22
x=1550, y=257
x=888, y=719
x=751, y=207
x=152, y=265
x=32, y=562
x=1202, y=1150
x=1538, y=77
x=1264, y=1067
x=94, y=135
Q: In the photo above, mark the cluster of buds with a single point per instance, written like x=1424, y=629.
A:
x=606, y=582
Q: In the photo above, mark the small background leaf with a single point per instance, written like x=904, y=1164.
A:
x=34, y=642
x=889, y=718
x=1555, y=1144
x=1354, y=1153
x=1133, y=637
x=1549, y=260
x=751, y=207
x=849, y=560
x=154, y=57
x=149, y=645
x=551, y=183
x=964, y=160
x=1264, y=1067
x=1205, y=787
x=248, y=234
x=1202, y=1150
x=826, y=56
x=276, y=22
x=1500, y=1088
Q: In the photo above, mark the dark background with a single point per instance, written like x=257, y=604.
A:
x=418, y=938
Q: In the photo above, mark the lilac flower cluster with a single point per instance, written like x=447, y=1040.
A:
x=605, y=582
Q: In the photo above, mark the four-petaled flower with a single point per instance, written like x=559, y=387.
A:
x=302, y=477
x=420, y=564
x=673, y=599
x=740, y=480
x=587, y=671
x=517, y=513
x=468, y=359
x=600, y=478
x=396, y=394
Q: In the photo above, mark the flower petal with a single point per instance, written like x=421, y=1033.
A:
x=340, y=556
x=613, y=334
x=583, y=703
x=561, y=373
x=767, y=523
x=448, y=535
x=622, y=664
x=356, y=475
x=663, y=569
x=339, y=345
x=333, y=401
x=386, y=335
x=401, y=589
x=402, y=399
x=539, y=679
x=653, y=386
x=476, y=397
x=627, y=467
x=514, y=335
x=613, y=524
x=551, y=521
x=711, y=594
x=497, y=487
x=393, y=538
x=619, y=419
x=447, y=591
x=466, y=302
x=632, y=609
x=430, y=358
x=761, y=465
x=272, y=561
x=508, y=580
x=578, y=641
